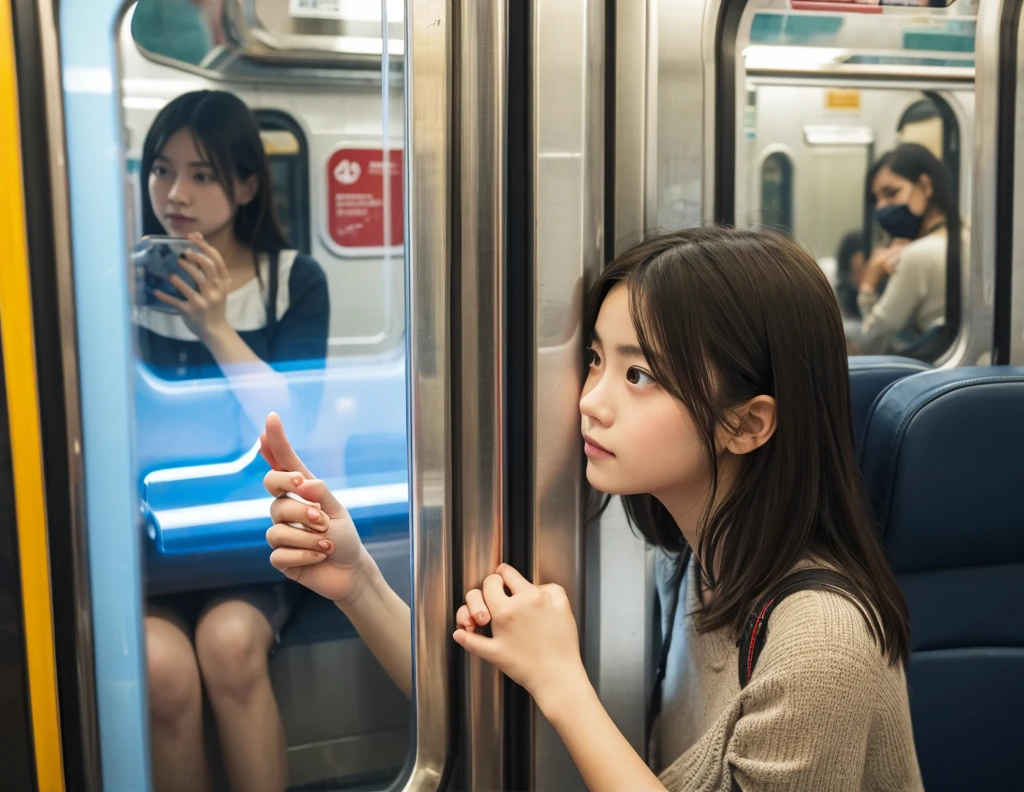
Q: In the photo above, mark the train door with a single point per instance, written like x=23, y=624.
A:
x=854, y=86
x=348, y=109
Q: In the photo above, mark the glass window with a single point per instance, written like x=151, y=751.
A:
x=292, y=172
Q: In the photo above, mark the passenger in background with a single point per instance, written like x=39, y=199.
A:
x=717, y=405
x=849, y=271
x=848, y=274
x=206, y=177
x=912, y=192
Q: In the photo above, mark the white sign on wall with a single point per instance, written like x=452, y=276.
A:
x=315, y=9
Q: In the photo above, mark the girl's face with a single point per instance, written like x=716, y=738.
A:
x=186, y=194
x=639, y=439
x=890, y=188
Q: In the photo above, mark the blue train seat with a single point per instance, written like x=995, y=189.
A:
x=869, y=376
x=943, y=460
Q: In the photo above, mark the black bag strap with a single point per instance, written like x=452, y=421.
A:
x=666, y=642
x=272, y=280
x=755, y=635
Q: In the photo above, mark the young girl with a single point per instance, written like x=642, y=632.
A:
x=256, y=303
x=914, y=201
x=717, y=406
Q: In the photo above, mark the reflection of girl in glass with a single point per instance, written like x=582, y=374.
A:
x=206, y=177
x=912, y=193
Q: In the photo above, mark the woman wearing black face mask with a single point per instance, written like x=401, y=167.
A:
x=914, y=202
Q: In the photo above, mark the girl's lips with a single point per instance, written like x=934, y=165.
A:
x=595, y=450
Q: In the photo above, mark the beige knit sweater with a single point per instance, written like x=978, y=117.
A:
x=822, y=711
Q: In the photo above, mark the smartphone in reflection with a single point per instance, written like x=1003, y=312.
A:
x=155, y=259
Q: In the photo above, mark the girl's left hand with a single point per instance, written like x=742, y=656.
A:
x=204, y=308
x=535, y=641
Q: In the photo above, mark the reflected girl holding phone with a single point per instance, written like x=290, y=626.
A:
x=248, y=302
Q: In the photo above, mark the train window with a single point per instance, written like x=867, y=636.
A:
x=861, y=119
x=777, y=191
x=291, y=169
x=288, y=153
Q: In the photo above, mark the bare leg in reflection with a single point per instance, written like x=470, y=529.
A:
x=233, y=640
x=175, y=706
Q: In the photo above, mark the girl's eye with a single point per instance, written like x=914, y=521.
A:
x=204, y=178
x=639, y=377
x=591, y=358
x=159, y=170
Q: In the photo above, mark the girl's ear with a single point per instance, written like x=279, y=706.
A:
x=246, y=189
x=925, y=183
x=753, y=425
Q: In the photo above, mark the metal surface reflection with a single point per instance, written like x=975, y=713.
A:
x=481, y=388
x=568, y=201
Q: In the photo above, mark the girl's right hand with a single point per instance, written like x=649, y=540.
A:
x=474, y=613
x=327, y=555
x=337, y=570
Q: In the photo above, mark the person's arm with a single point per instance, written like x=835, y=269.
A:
x=885, y=316
x=204, y=311
x=602, y=754
x=535, y=643
x=319, y=547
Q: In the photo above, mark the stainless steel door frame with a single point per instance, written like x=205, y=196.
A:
x=480, y=398
x=428, y=205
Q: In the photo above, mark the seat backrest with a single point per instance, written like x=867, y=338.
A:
x=869, y=376
x=943, y=460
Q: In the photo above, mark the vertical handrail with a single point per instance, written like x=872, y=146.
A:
x=481, y=343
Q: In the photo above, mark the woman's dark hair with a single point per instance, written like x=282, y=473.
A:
x=722, y=316
x=227, y=134
x=911, y=161
x=851, y=244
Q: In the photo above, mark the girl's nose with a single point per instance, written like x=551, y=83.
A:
x=595, y=406
x=178, y=192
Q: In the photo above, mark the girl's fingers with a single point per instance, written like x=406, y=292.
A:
x=199, y=262
x=464, y=620
x=191, y=267
x=299, y=516
x=166, y=298
x=477, y=609
x=212, y=253
x=285, y=558
x=478, y=645
x=284, y=536
x=189, y=293
x=280, y=482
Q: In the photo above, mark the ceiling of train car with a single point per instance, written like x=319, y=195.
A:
x=794, y=33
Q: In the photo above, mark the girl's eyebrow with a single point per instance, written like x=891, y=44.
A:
x=196, y=164
x=626, y=350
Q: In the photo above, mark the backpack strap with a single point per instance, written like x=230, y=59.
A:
x=272, y=285
x=753, y=639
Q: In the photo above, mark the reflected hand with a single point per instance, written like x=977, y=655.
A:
x=335, y=570
x=535, y=640
x=204, y=308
